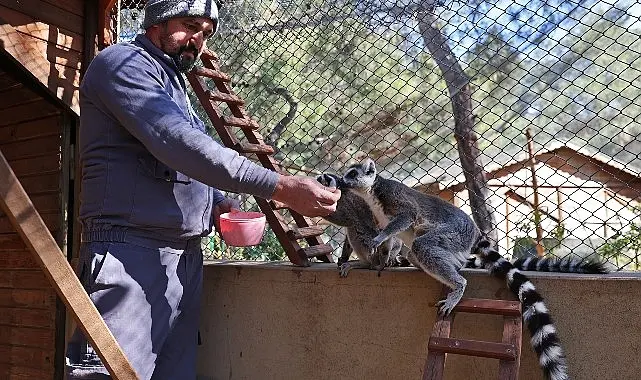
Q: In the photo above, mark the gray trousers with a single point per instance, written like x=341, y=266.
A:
x=148, y=292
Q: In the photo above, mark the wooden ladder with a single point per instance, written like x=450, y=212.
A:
x=287, y=236
x=508, y=351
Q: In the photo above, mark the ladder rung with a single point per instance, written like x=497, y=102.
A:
x=305, y=232
x=489, y=306
x=503, y=351
x=276, y=205
x=208, y=54
x=254, y=148
x=240, y=122
x=317, y=250
x=222, y=97
x=211, y=73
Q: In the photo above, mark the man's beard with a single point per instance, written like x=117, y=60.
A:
x=184, y=56
x=183, y=60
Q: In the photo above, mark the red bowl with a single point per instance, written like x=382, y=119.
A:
x=242, y=229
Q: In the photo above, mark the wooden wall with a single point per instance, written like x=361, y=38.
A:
x=31, y=138
x=46, y=37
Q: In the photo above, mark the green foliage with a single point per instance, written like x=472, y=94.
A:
x=626, y=245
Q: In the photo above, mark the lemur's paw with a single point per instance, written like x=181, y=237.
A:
x=344, y=269
x=341, y=261
x=445, y=307
x=377, y=241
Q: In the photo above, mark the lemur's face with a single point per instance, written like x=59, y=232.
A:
x=361, y=176
x=329, y=180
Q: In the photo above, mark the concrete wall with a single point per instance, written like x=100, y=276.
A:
x=277, y=321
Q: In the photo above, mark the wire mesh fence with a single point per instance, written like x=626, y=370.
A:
x=541, y=97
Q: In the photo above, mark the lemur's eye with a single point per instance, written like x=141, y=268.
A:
x=351, y=174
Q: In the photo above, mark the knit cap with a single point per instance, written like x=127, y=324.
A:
x=157, y=11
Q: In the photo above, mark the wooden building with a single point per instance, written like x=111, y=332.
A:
x=45, y=46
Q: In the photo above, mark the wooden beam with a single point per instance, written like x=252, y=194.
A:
x=16, y=204
x=104, y=19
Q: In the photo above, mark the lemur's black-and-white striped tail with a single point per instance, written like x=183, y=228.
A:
x=551, y=264
x=544, y=340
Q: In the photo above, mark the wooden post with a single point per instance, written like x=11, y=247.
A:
x=537, y=212
x=16, y=204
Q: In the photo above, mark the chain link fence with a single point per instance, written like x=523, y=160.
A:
x=542, y=95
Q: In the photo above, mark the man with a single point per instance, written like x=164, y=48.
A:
x=148, y=177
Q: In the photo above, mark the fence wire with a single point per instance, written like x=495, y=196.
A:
x=416, y=85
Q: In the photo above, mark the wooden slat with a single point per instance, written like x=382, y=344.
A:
x=305, y=232
x=28, y=298
x=248, y=148
x=8, y=83
x=317, y=250
x=16, y=96
x=16, y=204
x=52, y=221
x=26, y=336
x=512, y=333
x=211, y=73
x=28, y=25
x=43, y=318
x=227, y=98
x=11, y=242
x=36, y=166
x=47, y=126
x=23, y=279
x=17, y=260
x=74, y=6
x=240, y=122
x=15, y=372
x=31, y=111
x=47, y=13
x=435, y=363
x=14, y=150
x=26, y=356
x=503, y=351
x=489, y=306
x=45, y=183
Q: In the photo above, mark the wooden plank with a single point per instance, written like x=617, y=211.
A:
x=503, y=351
x=23, y=279
x=26, y=336
x=28, y=25
x=512, y=334
x=435, y=362
x=489, y=306
x=37, y=166
x=46, y=126
x=47, y=13
x=37, y=146
x=61, y=81
x=14, y=372
x=34, y=232
x=7, y=82
x=15, y=96
x=11, y=242
x=48, y=203
x=74, y=6
x=42, y=318
x=41, y=184
x=17, y=260
x=26, y=356
x=28, y=298
x=31, y=111
x=51, y=221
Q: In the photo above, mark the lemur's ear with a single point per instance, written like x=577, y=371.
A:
x=327, y=180
x=370, y=166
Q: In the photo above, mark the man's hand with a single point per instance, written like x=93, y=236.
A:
x=306, y=196
x=226, y=205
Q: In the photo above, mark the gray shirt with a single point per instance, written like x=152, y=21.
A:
x=147, y=162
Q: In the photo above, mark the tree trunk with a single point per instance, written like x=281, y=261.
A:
x=461, y=96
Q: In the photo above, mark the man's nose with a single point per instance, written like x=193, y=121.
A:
x=198, y=39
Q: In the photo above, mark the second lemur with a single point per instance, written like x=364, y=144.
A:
x=441, y=237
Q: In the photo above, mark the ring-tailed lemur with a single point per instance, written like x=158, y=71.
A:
x=361, y=228
x=568, y=264
x=440, y=237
